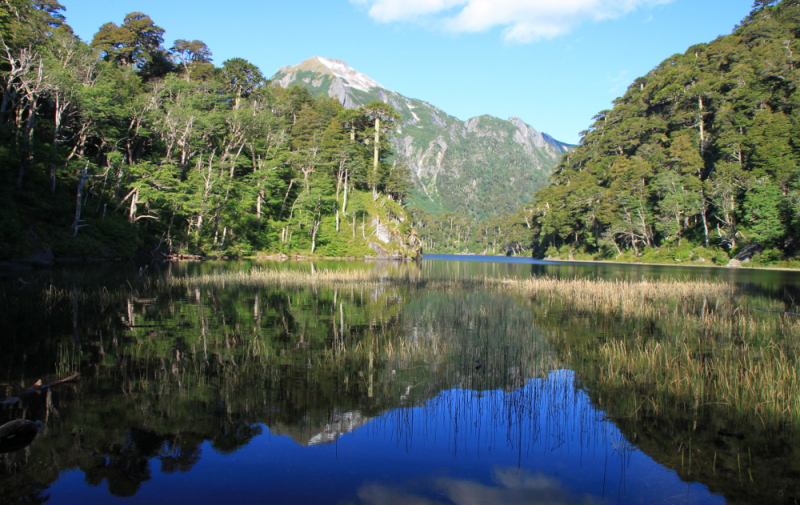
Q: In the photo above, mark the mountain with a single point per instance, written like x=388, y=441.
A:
x=699, y=160
x=481, y=167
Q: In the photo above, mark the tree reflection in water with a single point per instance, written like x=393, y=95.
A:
x=375, y=386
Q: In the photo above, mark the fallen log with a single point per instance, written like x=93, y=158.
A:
x=72, y=378
x=9, y=401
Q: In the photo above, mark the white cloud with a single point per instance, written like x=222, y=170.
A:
x=522, y=20
x=386, y=11
x=618, y=82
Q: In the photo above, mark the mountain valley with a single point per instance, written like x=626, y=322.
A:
x=482, y=167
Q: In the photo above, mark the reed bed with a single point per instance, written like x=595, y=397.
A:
x=260, y=278
x=694, y=342
x=758, y=383
x=645, y=298
x=588, y=294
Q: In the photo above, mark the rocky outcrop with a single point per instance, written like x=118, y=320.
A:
x=391, y=243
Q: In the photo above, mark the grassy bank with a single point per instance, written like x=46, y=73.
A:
x=687, y=254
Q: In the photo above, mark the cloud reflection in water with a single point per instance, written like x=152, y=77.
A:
x=513, y=486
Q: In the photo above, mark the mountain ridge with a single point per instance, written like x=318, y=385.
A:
x=483, y=166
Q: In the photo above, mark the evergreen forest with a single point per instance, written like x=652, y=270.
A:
x=697, y=162
x=124, y=146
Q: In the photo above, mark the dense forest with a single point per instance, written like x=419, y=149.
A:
x=453, y=233
x=698, y=161
x=121, y=146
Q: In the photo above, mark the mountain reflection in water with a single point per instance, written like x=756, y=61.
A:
x=362, y=394
x=542, y=443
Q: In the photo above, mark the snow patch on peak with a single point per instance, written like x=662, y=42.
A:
x=352, y=77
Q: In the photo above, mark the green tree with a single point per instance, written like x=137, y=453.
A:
x=134, y=43
x=193, y=57
x=763, y=213
x=383, y=117
x=241, y=78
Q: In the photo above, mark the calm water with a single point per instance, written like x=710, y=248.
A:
x=348, y=395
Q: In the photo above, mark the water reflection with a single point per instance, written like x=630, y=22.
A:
x=510, y=486
x=348, y=394
x=762, y=281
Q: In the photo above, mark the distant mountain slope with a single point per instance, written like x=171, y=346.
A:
x=482, y=167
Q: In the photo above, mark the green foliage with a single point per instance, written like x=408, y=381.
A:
x=699, y=152
x=136, y=42
x=763, y=213
x=203, y=160
x=483, y=169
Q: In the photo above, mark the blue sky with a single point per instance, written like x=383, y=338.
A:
x=552, y=63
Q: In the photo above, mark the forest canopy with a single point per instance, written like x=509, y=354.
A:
x=698, y=159
x=123, y=144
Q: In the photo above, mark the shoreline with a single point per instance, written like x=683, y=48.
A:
x=743, y=266
x=11, y=267
x=16, y=266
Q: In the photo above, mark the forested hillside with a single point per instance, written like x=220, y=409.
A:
x=122, y=146
x=469, y=176
x=698, y=161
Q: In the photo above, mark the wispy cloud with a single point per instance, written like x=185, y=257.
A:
x=618, y=82
x=522, y=21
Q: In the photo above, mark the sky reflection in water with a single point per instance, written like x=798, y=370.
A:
x=245, y=395
x=543, y=443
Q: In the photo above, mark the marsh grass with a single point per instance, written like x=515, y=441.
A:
x=690, y=344
x=260, y=278
x=675, y=342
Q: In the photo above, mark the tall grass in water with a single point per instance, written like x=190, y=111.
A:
x=694, y=343
x=697, y=342
x=259, y=278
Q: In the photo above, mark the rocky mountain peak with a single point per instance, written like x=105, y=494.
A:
x=329, y=66
x=481, y=167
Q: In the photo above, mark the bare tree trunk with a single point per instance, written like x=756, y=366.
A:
x=259, y=199
x=216, y=222
x=344, y=200
x=79, y=204
x=314, y=235
x=283, y=207
x=27, y=142
x=705, y=217
x=134, y=203
x=58, y=117
x=376, y=158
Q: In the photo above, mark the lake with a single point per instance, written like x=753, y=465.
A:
x=429, y=384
